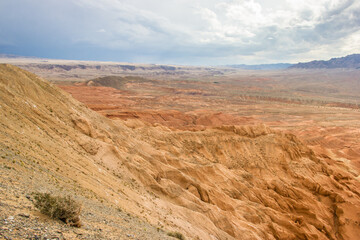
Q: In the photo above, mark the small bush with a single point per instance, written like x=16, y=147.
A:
x=176, y=235
x=64, y=208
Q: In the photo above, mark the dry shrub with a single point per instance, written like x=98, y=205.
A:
x=176, y=235
x=64, y=208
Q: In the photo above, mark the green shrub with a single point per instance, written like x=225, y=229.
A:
x=176, y=235
x=64, y=208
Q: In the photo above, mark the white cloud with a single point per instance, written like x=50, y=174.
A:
x=351, y=43
x=188, y=31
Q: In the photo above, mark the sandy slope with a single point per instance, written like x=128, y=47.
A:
x=225, y=182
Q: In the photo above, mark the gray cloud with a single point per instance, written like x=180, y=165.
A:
x=181, y=31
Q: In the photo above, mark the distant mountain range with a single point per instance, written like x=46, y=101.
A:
x=2, y=55
x=262, y=66
x=350, y=61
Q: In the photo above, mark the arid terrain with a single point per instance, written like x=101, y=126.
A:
x=210, y=152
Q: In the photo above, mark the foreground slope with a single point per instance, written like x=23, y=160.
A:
x=43, y=148
x=228, y=182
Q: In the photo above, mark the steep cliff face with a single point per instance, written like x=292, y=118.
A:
x=226, y=182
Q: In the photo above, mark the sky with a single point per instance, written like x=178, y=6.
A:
x=186, y=32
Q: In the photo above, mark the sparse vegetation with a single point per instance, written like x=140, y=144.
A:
x=176, y=235
x=65, y=208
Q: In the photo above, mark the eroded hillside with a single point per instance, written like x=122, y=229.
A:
x=223, y=182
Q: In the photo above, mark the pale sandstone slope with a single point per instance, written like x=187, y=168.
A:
x=221, y=183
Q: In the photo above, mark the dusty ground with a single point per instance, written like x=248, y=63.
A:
x=21, y=220
x=206, y=174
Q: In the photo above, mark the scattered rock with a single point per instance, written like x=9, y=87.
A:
x=25, y=215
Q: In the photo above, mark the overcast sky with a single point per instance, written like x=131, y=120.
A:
x=197, y=32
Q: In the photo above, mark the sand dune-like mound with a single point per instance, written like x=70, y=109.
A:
x=224, y=182
x=112, y=81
